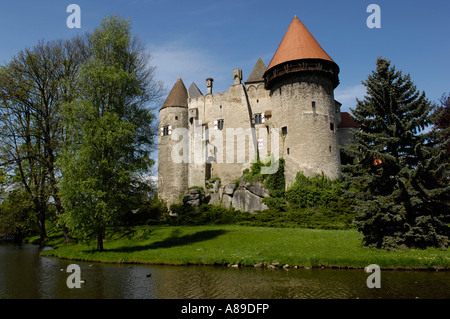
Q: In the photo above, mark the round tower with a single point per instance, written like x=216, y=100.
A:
x=301, y=78
x=172, y=169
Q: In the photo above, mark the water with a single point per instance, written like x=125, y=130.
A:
x=26, y=274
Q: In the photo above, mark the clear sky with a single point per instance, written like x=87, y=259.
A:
x=199, y=39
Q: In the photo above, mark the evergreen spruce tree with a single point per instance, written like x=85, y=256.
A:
x=442, y=119
x=399, y=175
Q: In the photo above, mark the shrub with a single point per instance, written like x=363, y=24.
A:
x=151, y=211
x=310, y=202
x=276, y=182
x=205, y=214
x=16, y=216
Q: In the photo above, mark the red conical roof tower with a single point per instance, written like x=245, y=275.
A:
x=299, y=51
x=178, y=96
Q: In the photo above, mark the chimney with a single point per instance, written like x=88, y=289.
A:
x=237, y=76
x=209, y=84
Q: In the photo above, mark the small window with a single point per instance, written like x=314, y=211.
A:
x=176, y=117
x=284, y=130
x=166, y=130
x=313, y=104
x=288, y=151
x=220, y=124
x=332, y=126
x=258, y=118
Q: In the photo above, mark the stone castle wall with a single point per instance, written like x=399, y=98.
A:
x=172, y=175
x=310, y=145
x=228, y=149
x=304, y=104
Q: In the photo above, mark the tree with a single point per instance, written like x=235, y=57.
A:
x=442, y=119
x=110, y=132
x=16, y=215
x=399, y=174
x=33, y=86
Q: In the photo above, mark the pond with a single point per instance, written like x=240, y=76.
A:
x=26, y=274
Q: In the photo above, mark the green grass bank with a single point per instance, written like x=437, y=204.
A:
x=244, y=246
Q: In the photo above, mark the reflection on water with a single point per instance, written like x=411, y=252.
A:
x=25, y=274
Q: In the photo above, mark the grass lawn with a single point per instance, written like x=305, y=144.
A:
x=246, y=246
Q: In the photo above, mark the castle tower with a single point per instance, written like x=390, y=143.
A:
x=301, y=78
x=172, y=169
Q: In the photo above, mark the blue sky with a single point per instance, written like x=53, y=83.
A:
x=200, y=39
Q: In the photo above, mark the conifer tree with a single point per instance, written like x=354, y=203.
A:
x=399, y=175
x=442, y=119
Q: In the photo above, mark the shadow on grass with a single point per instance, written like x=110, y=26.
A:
x=174, y=240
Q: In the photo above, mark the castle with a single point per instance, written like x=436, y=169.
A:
x=286, y=109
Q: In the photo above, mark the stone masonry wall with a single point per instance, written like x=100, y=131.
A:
x=310, y=144
x=172, y=176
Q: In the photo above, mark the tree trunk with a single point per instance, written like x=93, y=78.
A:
x=59, y=210
x=41, y=225
x=54, y=184
x=100, y=240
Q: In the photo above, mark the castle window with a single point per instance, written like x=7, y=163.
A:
x=288, y=151
x=218, y=125
x=313, y=104
x=166, y=130
x=176, y=117
x=284, y=130
x=332, y=127
x=258, y=118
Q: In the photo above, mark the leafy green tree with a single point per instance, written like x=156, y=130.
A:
x=33, y=86
x=17, y=218
x=399, y=175
x=110, y=132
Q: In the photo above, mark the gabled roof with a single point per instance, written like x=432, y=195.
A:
x=298, y=43
x=258, y=72
x=347, y=120
x=178, y=96
x=194, y=91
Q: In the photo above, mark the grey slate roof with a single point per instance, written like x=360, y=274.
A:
x=194, y=91
x=257, y=73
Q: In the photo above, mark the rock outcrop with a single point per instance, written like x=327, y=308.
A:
x=193, y=197
x=247, y=197
x=242, y=196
